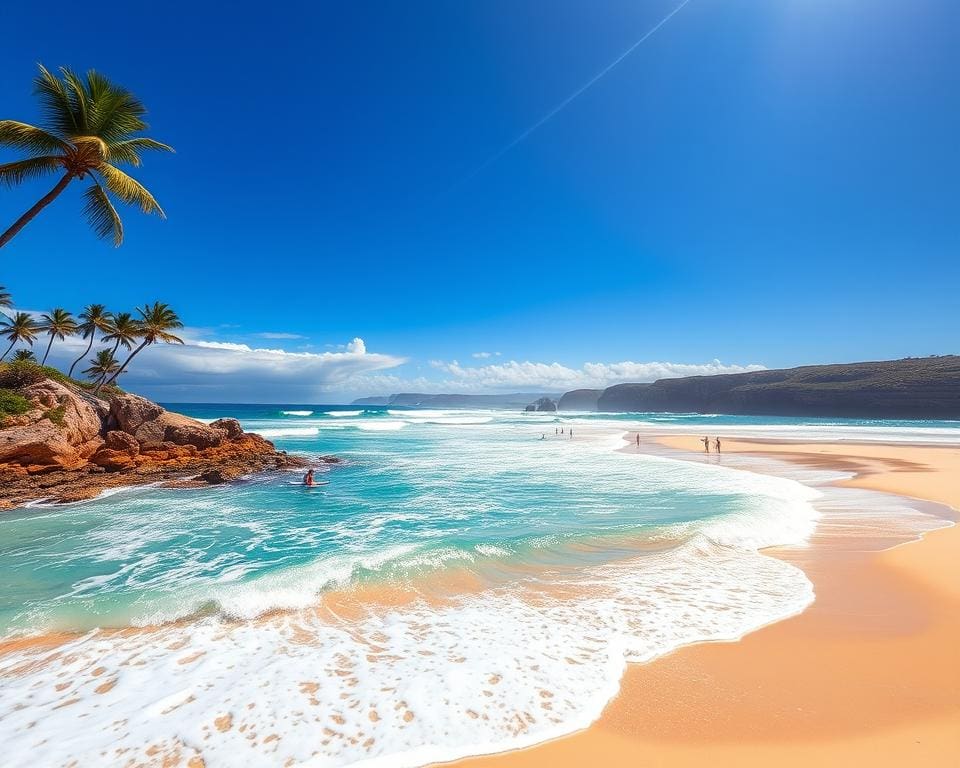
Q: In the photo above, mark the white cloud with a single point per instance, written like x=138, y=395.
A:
x=554, y=377
x=279, y=335
x=207, y=370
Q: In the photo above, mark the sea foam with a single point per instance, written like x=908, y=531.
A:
x=424, y=681
x=289, y=432
x=399, y=687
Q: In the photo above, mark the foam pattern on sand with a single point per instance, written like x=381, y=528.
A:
x=403, y=686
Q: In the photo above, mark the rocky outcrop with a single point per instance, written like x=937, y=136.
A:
x=62, y=430
x=71, y=445
x=543, y=404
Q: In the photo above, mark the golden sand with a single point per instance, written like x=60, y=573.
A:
x=869, y=675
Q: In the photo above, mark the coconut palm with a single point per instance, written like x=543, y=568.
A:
x=20, y=327
x=57, y=324
x=24, y=356
x=124, y=330
x=6, y=300
x=90, y=124
x=101, y=366
x=93, y=319
x=156, y=322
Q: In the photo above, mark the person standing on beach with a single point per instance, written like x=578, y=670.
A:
x=638, y=439
x=706, y=444
x=571, y=433
x=716, y=444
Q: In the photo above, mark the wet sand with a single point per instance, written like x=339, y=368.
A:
x=869, y=674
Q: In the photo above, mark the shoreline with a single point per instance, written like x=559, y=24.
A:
x=705, y=703
x=868, y=672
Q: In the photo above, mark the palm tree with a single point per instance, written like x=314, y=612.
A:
x=156, y=322
x=24, y=356
x=6, y=300
x=90, y=124
x=102, y=366
x=57, y=324
x=20, y=327
x=94, y=318
x=124, y=330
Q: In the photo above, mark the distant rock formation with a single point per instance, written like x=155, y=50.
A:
x=913, y=388
x=71, y=445
x=421, y=400
x=580, y=400
x=542, y=404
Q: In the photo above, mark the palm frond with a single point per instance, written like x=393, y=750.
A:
x=101, y=215
x=129, y=189
x=128, y=151
x=17, y=172
x=116, y=112
x=20, y=327
x=29, y=138
x=58, y=109
x=78, y=97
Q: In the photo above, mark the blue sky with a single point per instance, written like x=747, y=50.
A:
x=770, y=183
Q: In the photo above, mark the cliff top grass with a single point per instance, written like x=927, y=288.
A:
x=18, y=374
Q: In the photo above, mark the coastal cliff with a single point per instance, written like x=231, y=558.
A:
x=913, y=388
x=63, y=443
x=579, y=400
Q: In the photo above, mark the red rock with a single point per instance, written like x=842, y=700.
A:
x=231, y=427
x=113, y=460
x=117, y=440
x=93, y=445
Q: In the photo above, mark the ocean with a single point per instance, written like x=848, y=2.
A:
x=465, y=582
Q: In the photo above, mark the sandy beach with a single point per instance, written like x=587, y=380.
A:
x=869, y=674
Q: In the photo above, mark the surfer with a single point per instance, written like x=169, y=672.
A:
x=308, y=478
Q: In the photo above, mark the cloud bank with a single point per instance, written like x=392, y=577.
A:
x=210, y=371
x=530, y=376
x=514, y=376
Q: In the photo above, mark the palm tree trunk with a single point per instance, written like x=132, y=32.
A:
x=127, y=362
x=42, y=203
x=8, y=350
x=85, y=353
x=49, y=344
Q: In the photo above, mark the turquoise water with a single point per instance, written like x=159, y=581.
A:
x=418, y=490
x=406, y=500
x=577, y=558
